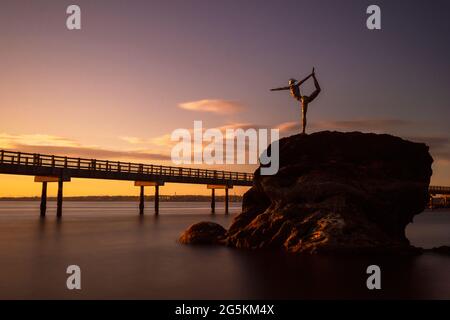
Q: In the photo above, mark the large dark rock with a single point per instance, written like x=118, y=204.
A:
x=336, y=192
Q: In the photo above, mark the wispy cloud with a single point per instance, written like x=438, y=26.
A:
x=439, y=146
x=87, y=152
x=376, y=125
x=165, y=140
x=135, y=140
x=212, y=105
x=9, y=140
x=362, y=124
x=243, y=126
x=48, y=144
x=289, y=127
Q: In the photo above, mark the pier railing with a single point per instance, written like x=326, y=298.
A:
x=439, y=190
x=42, y=160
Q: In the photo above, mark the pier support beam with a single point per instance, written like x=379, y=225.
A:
x=141, y=201
x=157, y=199
x=143, y=184
x=60, y=198
x=213, y=188
x=44, y=180
x=226, y=200
x=213, y=200
x=44, y=199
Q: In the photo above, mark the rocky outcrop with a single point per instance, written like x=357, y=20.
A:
x=336, y=192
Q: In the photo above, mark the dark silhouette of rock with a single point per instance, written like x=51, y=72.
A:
x=335, y=192
x=203, y=233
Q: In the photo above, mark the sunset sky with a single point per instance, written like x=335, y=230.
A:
x=137, y=70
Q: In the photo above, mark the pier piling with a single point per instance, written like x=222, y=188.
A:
x=143, y=184
x=156, y=199
x=60, y=197
x=226, y=200
x=141, y=201
x=45, y=180
x=213, y=188
x=44, y=199
x=213, y=201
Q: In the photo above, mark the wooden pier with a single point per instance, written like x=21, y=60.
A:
x=58, y=169
x=439, y=193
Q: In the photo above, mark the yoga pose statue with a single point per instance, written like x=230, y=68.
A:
x=294, y=88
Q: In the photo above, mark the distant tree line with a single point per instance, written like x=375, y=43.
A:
x=172, y=198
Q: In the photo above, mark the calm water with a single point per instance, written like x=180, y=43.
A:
x=122, y=255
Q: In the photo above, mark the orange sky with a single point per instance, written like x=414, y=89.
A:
x=18, y=186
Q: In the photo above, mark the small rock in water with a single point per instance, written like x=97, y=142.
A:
x=203, y=233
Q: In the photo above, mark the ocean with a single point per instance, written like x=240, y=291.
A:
x=126, y=256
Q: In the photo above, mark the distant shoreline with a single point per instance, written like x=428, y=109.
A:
x=180, y=198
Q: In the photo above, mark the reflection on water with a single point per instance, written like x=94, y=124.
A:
x=124, y=255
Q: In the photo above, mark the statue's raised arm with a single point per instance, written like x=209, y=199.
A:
x=301, y=82
x=280, y=89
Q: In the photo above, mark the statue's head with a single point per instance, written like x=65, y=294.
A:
x=292, y=81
